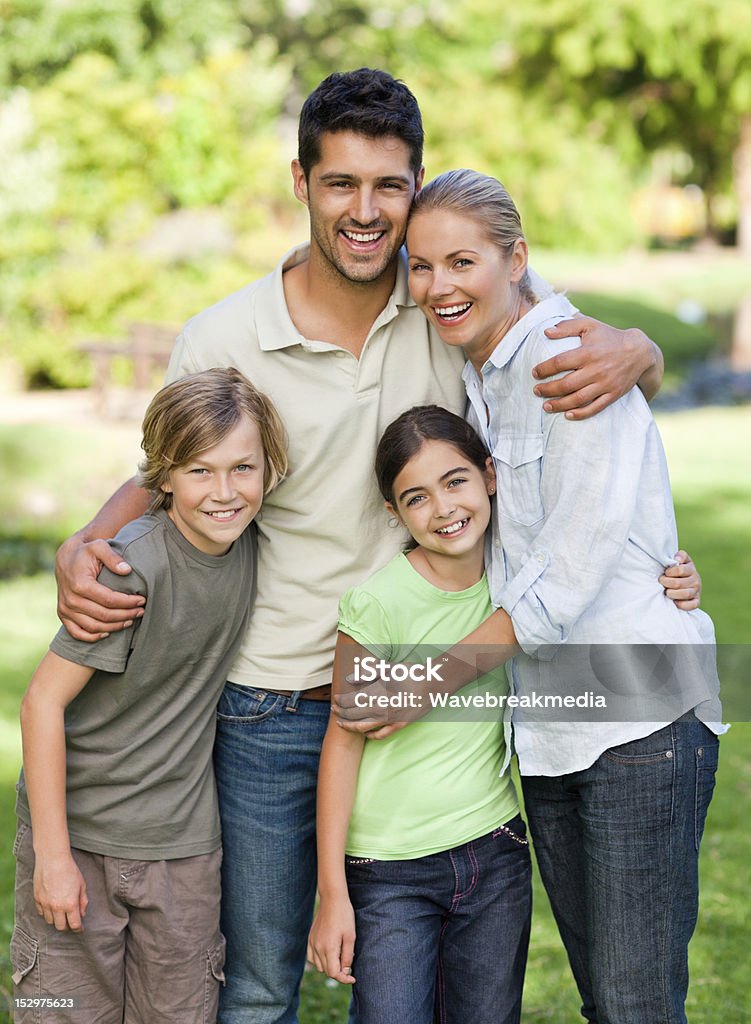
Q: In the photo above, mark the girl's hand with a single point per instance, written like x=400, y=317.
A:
x=682, y=583
x=60, y=892
x=331, y=945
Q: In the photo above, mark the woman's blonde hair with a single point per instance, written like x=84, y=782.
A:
x=195, y=413
x=485, y=200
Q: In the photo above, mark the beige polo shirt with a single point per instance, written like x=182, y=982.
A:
x=324, y=529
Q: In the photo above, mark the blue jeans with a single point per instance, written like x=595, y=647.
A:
x=443, y=937
x=266, y=759
x=618, y=849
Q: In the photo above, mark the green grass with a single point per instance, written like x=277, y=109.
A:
x=710, y=462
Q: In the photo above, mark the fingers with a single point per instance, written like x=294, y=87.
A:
x=561, y=363
x=62, y=918
x=73, y=919
x=371, y=728
x=584, y=412
x=567, y=396
x=87, y=609
x=385, y=731
x=85, y=627
x=312, y=957
x=571, y=328
x=347, y=956
x=83, y=903
x=102, y=551
x=98, y=611
x=682, y=583
x=686, y=593
x=105, y=604
x=684, y=570
x=365, y=725
x=679, y=594
x=334, y=963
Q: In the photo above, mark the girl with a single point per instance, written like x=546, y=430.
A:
x=583, y=523
x=436, y=880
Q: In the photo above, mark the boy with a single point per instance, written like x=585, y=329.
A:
x=118, y=847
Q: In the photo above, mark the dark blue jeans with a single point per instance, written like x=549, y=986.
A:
x=266, y=759
x=618, y=848
x=443, y=937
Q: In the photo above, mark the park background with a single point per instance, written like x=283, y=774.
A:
x=144, y=154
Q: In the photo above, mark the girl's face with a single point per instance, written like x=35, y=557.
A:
x=463, y=282
x=217, y=493
x=442, y=499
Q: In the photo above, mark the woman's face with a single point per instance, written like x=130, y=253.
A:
x=463, y=282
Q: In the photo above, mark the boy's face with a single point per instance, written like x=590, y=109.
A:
x=358, y=196
x=217, y=493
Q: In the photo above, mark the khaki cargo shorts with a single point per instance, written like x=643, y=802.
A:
x=150, y=953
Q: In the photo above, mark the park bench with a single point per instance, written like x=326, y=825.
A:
x=146, y=346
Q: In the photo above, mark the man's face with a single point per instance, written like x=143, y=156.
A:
x=358, y=196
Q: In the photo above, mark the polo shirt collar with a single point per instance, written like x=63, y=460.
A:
x=274, y=326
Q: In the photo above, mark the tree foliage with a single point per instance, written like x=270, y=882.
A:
x=116, y=114
x=644, y=73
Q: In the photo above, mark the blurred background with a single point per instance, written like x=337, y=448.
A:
x=144, y=174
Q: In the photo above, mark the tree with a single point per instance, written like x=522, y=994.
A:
x=665, y=74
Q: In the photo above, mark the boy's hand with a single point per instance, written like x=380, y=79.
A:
x=682, y=583
x=88, y=609
x=331, y=945
x=60, y=893
x=607, y=365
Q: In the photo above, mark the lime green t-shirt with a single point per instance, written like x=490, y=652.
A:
x=439, y=782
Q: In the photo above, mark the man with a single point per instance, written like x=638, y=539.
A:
x=335, y=341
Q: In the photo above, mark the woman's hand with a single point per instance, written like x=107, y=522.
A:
x=60, y=892
x=608, y=363
x=682, y=583
x=331, y=944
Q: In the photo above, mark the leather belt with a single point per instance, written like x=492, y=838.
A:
x=317, y=693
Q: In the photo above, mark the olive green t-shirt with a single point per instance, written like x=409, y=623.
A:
x=439, y=782
x=139, y=736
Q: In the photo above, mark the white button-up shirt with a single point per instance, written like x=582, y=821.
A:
x=582, y=528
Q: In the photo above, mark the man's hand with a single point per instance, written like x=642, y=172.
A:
x=331, y=945
x=60, y=892
x=682, y=583
x=87, y=609
x=607, y=365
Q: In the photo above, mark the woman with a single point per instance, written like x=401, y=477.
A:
x=584, y=521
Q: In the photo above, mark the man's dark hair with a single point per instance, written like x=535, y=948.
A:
x=366, y=101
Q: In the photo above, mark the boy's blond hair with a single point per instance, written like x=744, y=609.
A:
x=195, y=413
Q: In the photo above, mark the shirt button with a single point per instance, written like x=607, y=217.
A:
x=540, y=559
x=340, y=354
x=669, y=755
